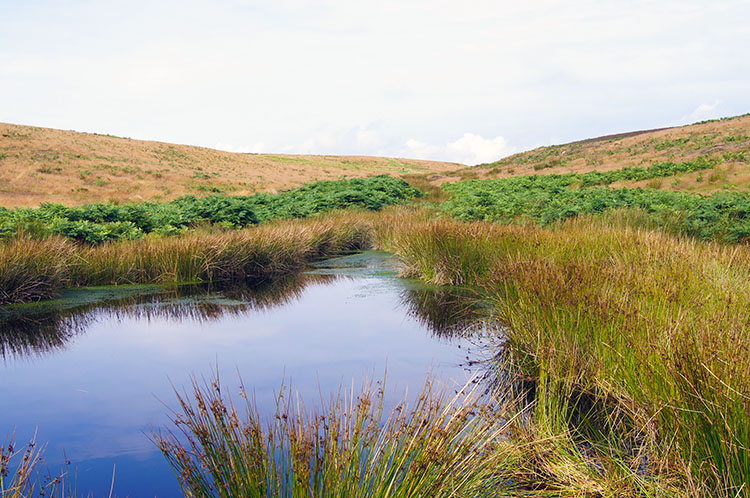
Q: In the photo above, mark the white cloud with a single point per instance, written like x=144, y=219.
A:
x=470, y=149
x=303, y=72
x=255, y=148
x=703, y=112
x=415, y=149
x=473, y=149
x=367, y=140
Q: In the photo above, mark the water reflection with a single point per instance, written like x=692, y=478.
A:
x=40, y=328
x=91, y=371
x=37, y=329
x=445, y=311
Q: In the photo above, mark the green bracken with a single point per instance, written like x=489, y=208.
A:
x=548, y=199
x=97, y=223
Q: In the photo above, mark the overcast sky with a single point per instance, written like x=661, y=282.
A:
x=467, y=81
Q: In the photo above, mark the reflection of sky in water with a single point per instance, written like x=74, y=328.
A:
x=99, y=395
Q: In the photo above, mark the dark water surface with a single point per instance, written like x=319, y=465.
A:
x=91, y=372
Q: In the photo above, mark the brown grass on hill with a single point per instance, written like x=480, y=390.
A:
x=45, y=165
x=723, y=140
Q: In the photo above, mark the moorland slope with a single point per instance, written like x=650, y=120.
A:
x=46, y=165
x=725, y=142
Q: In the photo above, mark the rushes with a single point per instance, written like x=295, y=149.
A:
x=655, y=322
x=26, y=480
x=31, y=270
x=442, y=446
x=37, y=269
x=22, y=482
x=633, y=346
x=351, y=447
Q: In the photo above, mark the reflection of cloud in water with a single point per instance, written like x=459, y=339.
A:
x=46, y=327
x=41, y=328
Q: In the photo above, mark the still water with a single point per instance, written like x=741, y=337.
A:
x=94, y=372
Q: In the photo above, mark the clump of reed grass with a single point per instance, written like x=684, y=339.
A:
x=37, y=269
x=26, y=479
x=655, y=322
x=31, y=270
x=350, y=447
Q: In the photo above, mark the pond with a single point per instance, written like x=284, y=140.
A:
x=92, y=373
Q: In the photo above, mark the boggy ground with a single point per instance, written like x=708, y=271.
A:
x=624, y=366
x=623, y=359
x=633, y=342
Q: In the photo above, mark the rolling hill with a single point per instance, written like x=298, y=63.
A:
x=46, y=165
x=726, y=141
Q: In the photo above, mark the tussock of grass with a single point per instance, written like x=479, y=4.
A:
x=658, y=323
x=351, y=447
x=31, y=270
x=631, y=345
x=21, y=473
x=36, y=269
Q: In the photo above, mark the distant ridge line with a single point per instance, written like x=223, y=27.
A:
x=619, y=135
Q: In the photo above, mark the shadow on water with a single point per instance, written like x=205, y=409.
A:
x=37, y=329
x=445, y=311
x=101, y=346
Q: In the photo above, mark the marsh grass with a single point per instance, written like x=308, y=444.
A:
x=631, y=346
x=36, y=269
x=656, y=325
x=350, y=446
x=22, y=474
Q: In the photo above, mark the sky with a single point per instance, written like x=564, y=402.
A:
x=466, y=81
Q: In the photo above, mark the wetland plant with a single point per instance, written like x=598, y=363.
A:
x=32, y=270
x=352, y=446
x=22, y=475
x=600, y=311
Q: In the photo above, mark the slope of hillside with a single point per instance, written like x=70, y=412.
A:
x=45, y=165
x=725, y=141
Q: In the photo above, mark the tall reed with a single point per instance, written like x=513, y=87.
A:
x=21, y=474
x=37, y=269
x=350, y=447
x=656, y=324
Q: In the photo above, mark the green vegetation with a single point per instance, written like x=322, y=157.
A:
x=624, y=359
x=353, y=447
x=32, y=269
x=547, y=199
x=632, y=343
x=97, y=223
x=666, y=144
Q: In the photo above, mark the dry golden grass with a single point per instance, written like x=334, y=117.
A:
x=685, y=143
x=31, y=270
x=45, y=165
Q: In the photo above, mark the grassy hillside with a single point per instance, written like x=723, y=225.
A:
x=623, y=360
x=726, y=141
x=45, y=165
